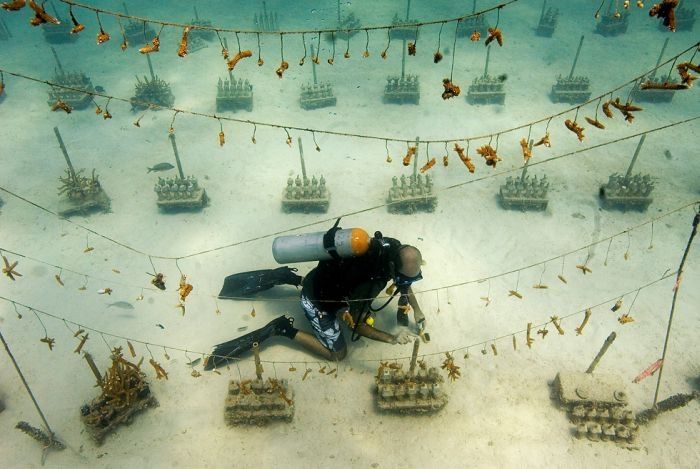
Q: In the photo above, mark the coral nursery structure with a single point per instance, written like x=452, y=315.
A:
x=413, y=392
x=154, y=91
x=548, y=21
x=234, y=94
x=412, y=194
x=125, y=393
x=402, y=90
x=627, y=192
x=596, y=404
x=256, y=401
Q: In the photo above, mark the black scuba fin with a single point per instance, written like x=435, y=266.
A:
x=249, y=283
x=225, y=352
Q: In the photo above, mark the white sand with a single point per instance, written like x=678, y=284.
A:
x=500, y=413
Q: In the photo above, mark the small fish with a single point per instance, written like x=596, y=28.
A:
x=121, y=305
x=104, y=291
x=161, y=167
x=161, y=326
x=99, y=89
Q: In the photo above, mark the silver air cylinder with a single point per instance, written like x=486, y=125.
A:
x=350, y=242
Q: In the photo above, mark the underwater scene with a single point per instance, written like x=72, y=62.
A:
x=349, y=233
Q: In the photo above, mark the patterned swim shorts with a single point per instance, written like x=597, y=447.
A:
x=325, y=325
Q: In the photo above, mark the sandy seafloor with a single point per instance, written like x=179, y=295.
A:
x=500, y=412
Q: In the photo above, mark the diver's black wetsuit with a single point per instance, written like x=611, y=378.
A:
x=333, y=285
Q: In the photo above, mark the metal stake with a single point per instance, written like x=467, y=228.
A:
x=403, y=59
x=522, y=175
x=313, y=64
x=58, y=62
x=603, y=349
x=93, y=368
x=486, y=65
x=663, y=49
x=544, y=6
x=415, y=160
x=414, y=356
x=177, y=155
x=636, y=153
x=301, y=158
x=578, y=51
x=26, y=385
x=696, y=219
x=150, y=67
x=65, y=155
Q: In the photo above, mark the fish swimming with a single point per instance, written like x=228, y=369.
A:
x=161, y=167
x=121, y=305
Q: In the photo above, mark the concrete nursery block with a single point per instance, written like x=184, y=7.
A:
x=594, y=431
x=584, y=388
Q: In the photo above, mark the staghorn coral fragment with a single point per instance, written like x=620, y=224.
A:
x=428, y=165
x=527, y=153
x=595, y=123
x=494, y=33
x=575, y=128
x=489, y=154
x=451, y=90
x=182, y=49
x=237, y=58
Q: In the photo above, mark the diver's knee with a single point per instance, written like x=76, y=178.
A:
x=338, y=355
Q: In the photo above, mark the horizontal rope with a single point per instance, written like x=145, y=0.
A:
x=287, y=128
x=239, y=360
x=331, y=219
x=381, y=297
x=175, y=24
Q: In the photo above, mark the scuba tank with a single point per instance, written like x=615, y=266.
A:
x=335, y=243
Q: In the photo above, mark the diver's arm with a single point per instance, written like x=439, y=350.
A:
x=375, y=334
x=418, y=315
x=365, y=330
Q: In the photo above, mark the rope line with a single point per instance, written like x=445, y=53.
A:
x=420, y=292
x=361, y=360
x=174, y=24
x=333, y=218
x=155, y=106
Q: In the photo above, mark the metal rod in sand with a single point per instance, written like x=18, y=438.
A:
x=601, y=352
x=578, y=51
x=658, y=61
x=65, y=155
x=696, y=220
x=634, y=157
x=177, y=155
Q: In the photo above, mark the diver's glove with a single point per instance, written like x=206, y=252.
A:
x=421, y=323
x=404, y=337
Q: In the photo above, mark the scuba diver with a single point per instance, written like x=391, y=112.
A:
x=352, y=270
